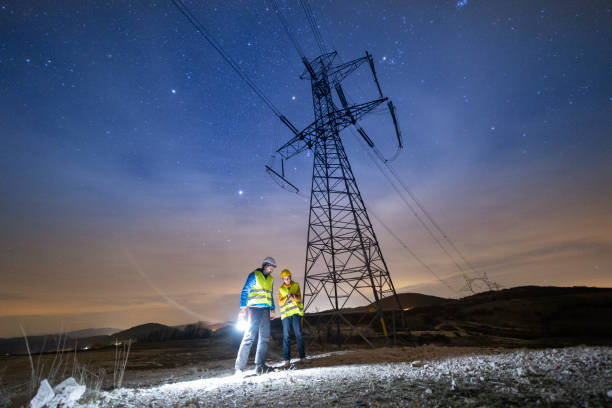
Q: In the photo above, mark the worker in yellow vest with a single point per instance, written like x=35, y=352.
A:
x=257, y=304
x=292, y=310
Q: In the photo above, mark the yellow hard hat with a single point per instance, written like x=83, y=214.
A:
x=285, y=272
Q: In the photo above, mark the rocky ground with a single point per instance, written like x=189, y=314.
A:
x=421, y=376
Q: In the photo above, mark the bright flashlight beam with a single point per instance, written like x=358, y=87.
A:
x=242, y=325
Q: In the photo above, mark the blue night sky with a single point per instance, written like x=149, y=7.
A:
x=132, y=177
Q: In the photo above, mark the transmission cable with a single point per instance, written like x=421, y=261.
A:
x=411, y=252
x=211, y=40
x=285, y=25
x=387, y=163
x=322, y=44
x=412, y=209
x=313, y=26
x=428, y=215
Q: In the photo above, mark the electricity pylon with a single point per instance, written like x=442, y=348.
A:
x=343, y=256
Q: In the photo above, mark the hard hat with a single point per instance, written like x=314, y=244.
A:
x=270, y=261
x=285, y=272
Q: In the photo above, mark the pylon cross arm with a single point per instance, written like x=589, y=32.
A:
x=340, y=119
x=339, y=72
x=302, y=141
x=346, y=116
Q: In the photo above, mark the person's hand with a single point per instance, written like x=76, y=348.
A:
x=272, y=315
x=242, y=313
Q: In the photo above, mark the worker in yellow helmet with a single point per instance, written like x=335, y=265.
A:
x=292, y=310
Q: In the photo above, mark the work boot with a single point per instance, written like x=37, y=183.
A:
x=238, y=373
x=286, y=364
x=263, y=369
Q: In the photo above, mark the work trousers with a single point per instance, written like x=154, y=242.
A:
x=259, y=319
x=289, y=322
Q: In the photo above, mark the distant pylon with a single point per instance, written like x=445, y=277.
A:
x=484, y=279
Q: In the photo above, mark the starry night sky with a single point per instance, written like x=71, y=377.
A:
x=132, y=177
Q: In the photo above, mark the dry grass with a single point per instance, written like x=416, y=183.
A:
x=62, y=366
x=121, y=356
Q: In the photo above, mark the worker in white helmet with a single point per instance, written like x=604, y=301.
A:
x=257, y=304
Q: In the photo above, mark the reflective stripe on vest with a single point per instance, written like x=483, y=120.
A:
x=261, y=292
x=290, y=307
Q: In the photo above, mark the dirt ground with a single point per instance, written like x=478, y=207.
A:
x=199, y=373
x=157, y=363
x=423, y=376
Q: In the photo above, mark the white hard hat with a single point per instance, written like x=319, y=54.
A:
x=270, y=261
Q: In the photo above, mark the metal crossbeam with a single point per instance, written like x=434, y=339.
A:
x=337, y=118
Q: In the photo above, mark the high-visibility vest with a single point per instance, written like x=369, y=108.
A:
x=261, y=292
x=290, y=307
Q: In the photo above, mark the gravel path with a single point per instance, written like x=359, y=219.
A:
x=577, y=376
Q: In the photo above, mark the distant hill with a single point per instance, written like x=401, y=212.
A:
x=413, y=300
x=78, y=334
x=407, y=301
x=520, y=316
x=149, y=332
x=53, y=342
x=145, y=331
x=526, y=316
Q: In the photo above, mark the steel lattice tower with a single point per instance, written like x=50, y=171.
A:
x=343, y=257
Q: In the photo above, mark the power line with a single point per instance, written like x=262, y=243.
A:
x=429, y=217
x=285, y=25
x=211, y=40
x=411, y=252
x=387, y=163
x=490, y=284
x=313, y=26
x=414, y=212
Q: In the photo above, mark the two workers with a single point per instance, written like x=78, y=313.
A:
x=257, y=305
